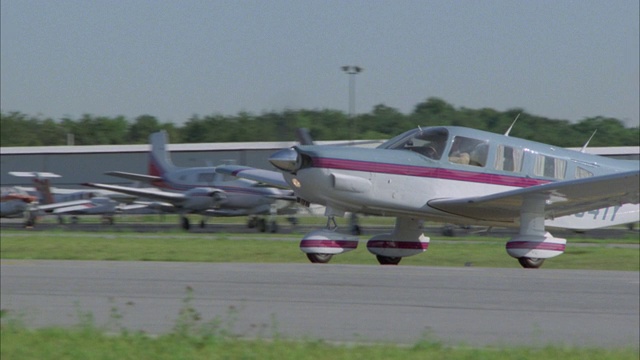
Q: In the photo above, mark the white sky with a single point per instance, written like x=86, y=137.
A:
x=560, y=59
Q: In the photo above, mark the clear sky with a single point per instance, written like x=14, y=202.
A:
x=561, y=59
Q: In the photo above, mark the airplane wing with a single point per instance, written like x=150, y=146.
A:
x=273, y=178
x=73, y=209
x=134, y=206
x=174, y=198
x=34, y=174
x=134, y=176
x=64, y=204
x=561, y=198
x=284, y=197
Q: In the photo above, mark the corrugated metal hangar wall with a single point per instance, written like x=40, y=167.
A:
x=79, y=164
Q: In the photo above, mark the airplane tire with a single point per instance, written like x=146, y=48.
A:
x=319, y=258
x=185, y=223
x=448, y=230
x=388, y=260
x=274, y=227
x=262, y=225
x=530, y=263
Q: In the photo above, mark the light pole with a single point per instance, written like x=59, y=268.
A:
x=352, y=71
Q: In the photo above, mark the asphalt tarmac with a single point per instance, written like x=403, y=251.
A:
x=343, y=303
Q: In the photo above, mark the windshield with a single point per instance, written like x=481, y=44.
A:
x=429, y=142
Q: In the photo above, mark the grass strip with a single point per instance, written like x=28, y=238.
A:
x=91, y=343
x=273, y=248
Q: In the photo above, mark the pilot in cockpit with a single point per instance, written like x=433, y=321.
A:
x=426, y=144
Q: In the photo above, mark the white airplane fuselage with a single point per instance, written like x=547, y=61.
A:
x=401, y=183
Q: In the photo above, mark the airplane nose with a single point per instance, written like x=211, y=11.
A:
x=285, y=159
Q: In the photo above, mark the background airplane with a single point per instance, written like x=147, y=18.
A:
x=17, y=202
x=74, y=201
x=198, y=200
x=14, y=202
x=202, y=190
x=456, y=175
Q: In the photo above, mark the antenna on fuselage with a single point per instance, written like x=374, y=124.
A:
x=584, y=147
x=511, y=127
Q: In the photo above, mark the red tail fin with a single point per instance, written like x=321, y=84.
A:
x=44, y=189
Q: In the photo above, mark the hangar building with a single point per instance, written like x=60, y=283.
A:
x=80, y=164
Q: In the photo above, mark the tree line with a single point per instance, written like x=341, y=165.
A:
x=381, y=122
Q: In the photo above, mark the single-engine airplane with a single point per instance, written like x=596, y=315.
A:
x=201, y=190
x=456, y=175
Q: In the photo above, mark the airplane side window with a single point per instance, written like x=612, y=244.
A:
x=582, y=173
x=548, y=166
x=205, y=177
x=467, y=151
x=509, y=158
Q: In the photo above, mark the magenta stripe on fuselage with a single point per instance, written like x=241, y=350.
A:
x=342, y=244
x=390, y=244
x=420, y=171
x=537, y=245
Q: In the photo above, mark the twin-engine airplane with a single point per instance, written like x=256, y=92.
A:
x=199, y=190
x=456, y=175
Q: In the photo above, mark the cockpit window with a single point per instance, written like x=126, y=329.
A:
x=429, y=142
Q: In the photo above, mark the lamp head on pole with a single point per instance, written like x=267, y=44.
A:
x=351, y=69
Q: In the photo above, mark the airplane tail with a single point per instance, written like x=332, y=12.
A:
x=159, y=157
x=41, y=183
x=44, y=191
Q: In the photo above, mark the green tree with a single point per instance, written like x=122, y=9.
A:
x=142, y=127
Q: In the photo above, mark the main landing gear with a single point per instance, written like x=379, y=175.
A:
x=262, y=224
x=388, y=260
x=184, y=222
x=530, y=263
x=319, y=258
x=321, y=245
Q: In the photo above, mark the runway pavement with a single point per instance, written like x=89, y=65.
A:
x=345, y=303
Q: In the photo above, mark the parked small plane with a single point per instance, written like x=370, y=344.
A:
x=456, y=175
x=201, y=190
x=74, y=201
x=14, y=202
x=17, y=202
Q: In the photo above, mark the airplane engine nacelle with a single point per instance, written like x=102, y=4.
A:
x=386, y=245
x=533, y=246
x=328, y=242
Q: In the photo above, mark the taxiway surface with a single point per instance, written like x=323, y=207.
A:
x=397, y=304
